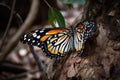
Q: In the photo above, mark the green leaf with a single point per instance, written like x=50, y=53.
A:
x=51, y=18
x=69, y=5
x=55, y=16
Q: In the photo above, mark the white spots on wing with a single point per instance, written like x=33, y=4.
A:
x=38, y=44
x=55, y=41
x=34, y=34
x=41, y=31
x=86, y=23
x=88, y=26
x=25, y=38
x=87, y=35
x=38, y=37
x=33, y=41
x=58, y=54
x=47, y=41
x=55, y=35
x=28, y=39
x=36, y=30
x=25, y=35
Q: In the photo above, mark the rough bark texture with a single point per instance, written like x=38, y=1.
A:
x=101, y=58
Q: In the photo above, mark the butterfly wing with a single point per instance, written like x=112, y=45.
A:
x=79, y=39
x=54, y=42
x=81, y=34
x=58, y=43
x=33, y=37
x=89, y=27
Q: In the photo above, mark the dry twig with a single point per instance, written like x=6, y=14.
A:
x=26, y=25
x=8, y=25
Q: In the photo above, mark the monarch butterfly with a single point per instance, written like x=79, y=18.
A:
x=57, y=42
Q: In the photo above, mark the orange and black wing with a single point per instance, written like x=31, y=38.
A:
x=79, y=38
x=56, y=43
x=81, y=34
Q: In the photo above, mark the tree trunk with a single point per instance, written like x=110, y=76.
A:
x=101, y=57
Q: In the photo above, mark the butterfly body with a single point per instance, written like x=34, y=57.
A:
x=57, y=42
